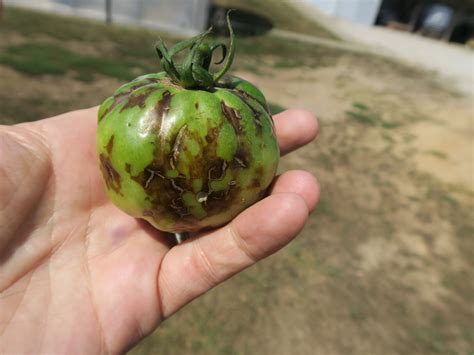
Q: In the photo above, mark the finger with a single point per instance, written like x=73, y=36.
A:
x=194, y=267
x=299, y=182
x=295, y=128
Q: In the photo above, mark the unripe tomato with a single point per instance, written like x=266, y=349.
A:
x=183, y=149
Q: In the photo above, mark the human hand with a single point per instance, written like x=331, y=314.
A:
x=77, y=275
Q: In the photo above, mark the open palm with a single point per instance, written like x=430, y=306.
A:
x=77, y=275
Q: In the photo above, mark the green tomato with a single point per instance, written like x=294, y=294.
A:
x=183, y=159
x=187, y=154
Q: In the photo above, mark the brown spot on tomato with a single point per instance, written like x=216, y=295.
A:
x=218, y=201
x=110, y=145
x=255, y=184
x=220, y=195
x=128, y=168
x=256, y=181
x=147, y=177
x=196, y=105
x=175, y=186
x=241, y=158
x=233, y=117
x=212, y=134
x=217, y=170
x=177, y=146
x=117, y=99
x=247, y=99
x=111, y=176
x=179, y=207
x=162, y=191
x=164, y=105
x=137, y=99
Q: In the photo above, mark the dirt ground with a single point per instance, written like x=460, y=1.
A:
x=385, y=265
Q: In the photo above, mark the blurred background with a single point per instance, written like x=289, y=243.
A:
x=386, y=263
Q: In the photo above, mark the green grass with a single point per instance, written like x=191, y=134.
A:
x=363, y=114
x=33, y=24
x=438, y=154
x=286, y=54
x=41, y=58
x=363, y=117
x=121, y=47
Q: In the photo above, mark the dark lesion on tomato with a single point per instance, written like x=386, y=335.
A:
x=241, y=157
x=233, y=117
x=161, y=191
x=212, y=134
x=110, y=145
x=217, y=171
x=111, y=176
x=257, y=180
x=118, y=98
x=257, y=114
x=163, y=105
x=137, y=99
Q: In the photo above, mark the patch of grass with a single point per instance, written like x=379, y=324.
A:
x=42, y=59
x=456, y=281
x=363, y=114
x=433, y=337
x=292, y=54
x=286, y=64
x=333, y=272
x=326, y=161
x=360, y=106
x=438, y=154
x=16, y=109
x=390, y=125
x=357, y=315
x=249, y=67
x=65, y=28
x=324, y=208
x=363, y=117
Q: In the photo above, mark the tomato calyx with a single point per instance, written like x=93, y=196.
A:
x=194, y=71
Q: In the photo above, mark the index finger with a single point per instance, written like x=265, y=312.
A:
x=295, y=128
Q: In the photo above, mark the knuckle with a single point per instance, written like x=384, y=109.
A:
x=203, y=264
x=242, y=245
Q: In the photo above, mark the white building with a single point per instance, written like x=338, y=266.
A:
x=357, y=11
x=184, y=17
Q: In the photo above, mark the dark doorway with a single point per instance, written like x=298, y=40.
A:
x=449, y=20
x=244, y=23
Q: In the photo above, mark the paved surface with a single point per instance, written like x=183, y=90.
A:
x=453, y=63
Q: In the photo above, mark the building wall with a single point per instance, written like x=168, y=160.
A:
x=357, y=11
x=183, y=17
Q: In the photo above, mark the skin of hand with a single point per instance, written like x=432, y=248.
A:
x=77, y=275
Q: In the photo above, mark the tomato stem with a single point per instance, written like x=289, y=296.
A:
x=194, y=71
